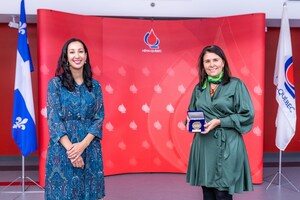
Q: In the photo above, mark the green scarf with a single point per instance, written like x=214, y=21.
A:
x=213, y=79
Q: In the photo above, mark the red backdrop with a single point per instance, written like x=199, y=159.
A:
x=147, y=69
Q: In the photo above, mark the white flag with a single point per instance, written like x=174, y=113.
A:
x=285, y=91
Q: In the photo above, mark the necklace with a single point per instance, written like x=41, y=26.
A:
x=212, y=90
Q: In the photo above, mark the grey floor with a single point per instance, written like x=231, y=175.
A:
x=159, y=186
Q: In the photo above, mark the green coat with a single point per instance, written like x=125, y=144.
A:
x=219, y=158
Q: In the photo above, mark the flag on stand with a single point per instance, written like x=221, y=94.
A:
x=24, y=128
x=285, y=91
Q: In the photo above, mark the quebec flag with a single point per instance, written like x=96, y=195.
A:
x=24, y=128
x=285, y=91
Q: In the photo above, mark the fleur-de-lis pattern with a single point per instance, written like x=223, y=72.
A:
x=20, y=123
x=22, y=28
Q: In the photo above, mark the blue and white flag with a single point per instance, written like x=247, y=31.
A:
x=285, y=91
x=24, y=127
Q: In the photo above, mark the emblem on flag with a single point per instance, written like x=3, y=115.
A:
x=24, y=127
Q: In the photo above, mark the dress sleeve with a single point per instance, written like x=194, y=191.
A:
x=243, y=116
x=54, y=115
x=98, y=118
x=192, y=105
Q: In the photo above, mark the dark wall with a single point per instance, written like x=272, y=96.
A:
x=8, y=46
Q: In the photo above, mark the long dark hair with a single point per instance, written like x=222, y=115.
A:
x=63, y=69
x=203, y=75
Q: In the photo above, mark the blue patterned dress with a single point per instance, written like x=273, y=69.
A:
x=75, y=114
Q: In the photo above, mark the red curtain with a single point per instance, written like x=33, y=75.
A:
x=147, y=69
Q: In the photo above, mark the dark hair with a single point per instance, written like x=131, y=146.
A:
x=63, y=69
x=203, y=75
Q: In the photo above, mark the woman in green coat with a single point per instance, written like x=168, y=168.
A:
x=218, y=159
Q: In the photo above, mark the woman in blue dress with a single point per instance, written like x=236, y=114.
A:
x=75, y=112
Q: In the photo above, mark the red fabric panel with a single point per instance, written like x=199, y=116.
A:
x=147, y=88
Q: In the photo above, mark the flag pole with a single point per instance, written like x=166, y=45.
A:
x=22, y=177
x=280, y=164
x=23, y=174
x=280, y=174
x=284, y=82
x=26, y=177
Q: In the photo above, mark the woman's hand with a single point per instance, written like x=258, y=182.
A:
x=78, y=162
x=75, y=150
x=211, y=125
x=187, y=123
